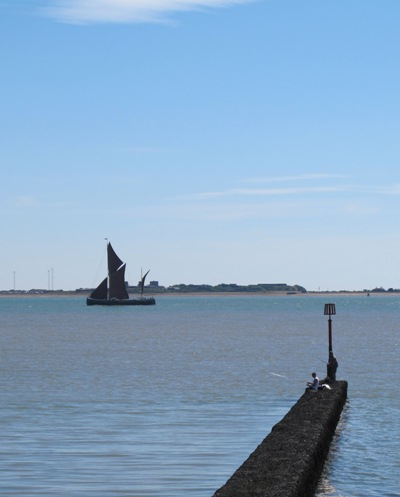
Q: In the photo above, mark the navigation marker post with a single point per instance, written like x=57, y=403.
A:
x=330, y=310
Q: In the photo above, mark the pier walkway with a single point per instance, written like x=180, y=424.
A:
x=289, y=462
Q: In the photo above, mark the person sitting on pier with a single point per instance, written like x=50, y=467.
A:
x=313, y=385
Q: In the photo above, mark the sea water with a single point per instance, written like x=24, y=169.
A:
x=169, y=400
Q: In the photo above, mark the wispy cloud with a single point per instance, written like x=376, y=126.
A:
x=277, y=191
x=148, y=150
x=126, y=11
x=25, y=201
x=301, y=177
x=298, y=190
x=391, y=189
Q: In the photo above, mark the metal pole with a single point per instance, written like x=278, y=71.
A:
x=330, y=310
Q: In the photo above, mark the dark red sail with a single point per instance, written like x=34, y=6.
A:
x=117, y=288
x=114, y=262
x=101, y=291
x=142, y=282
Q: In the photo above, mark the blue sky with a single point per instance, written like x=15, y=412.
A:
x=210, y=141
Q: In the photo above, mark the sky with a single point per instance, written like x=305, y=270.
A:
x=211, y=141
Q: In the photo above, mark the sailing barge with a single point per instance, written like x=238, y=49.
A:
x=112, y=290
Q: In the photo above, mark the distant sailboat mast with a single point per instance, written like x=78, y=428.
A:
x=108, y=270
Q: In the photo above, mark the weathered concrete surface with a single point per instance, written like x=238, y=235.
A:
x=289, y=462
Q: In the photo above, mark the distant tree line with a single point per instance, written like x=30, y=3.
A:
x=230, y=288
x=382, y=290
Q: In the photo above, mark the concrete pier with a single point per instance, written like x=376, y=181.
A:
x=289, y=462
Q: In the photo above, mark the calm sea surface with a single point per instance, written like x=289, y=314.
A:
x=169, y=400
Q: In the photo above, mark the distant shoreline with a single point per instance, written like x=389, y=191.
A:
x=157, y=295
